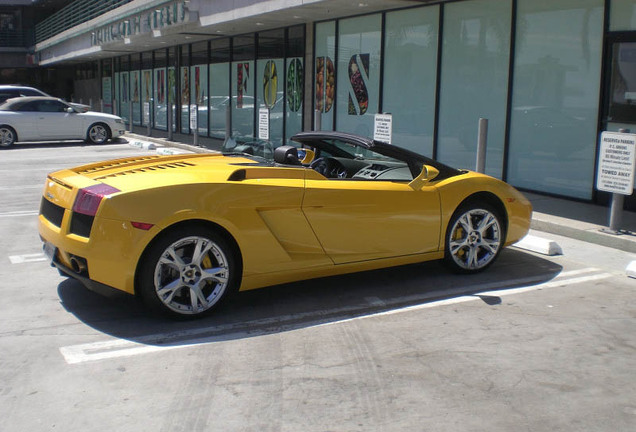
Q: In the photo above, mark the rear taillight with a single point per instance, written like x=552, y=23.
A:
x=88, y=199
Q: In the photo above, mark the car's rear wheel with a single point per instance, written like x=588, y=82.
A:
x=98, y=133
x=7, y=136
x=188, y=272
x=474, y=238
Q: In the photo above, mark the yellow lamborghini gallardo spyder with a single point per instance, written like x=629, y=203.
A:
x=186, y=231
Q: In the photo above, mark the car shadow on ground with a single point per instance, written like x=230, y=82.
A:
x=58, y=144
x=307, y=303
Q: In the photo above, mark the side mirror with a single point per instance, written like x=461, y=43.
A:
x=428, y=174
x=69, y=110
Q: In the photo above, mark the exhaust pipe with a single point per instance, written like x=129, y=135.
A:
x=78, y=265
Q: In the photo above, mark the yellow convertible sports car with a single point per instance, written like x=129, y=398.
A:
x=185, y=231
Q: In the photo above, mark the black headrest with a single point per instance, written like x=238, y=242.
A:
x=287, y=155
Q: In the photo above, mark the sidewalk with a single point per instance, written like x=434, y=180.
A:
x=581, y=221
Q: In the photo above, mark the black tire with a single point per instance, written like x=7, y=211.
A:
x=8, y=137
x=174, y=270
x=474, y=237
x=98, y=133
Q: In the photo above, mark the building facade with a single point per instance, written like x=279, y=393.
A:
x=549, y=75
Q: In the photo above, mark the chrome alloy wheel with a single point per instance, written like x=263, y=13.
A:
x=191, y=275
x=7, y=137
x=98, y=134
x=475, y=239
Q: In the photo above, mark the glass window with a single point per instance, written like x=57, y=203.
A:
x=146, y=88
x=243, y=88
x=358, y=74
x=555, y=100
x=622, y=15
x=294, y=81
x=159, y=90
x=219, y=87
x=135, y=88
x=622, y=93
x=199, y=85
x=184, y=82
x=410, y=74
x=107, y=86
x=474, y=81
x=269, y=89
x=325, y=77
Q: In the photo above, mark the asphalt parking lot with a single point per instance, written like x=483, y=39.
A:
x=535, y=343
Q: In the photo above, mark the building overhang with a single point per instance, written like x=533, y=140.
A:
x=144, y=25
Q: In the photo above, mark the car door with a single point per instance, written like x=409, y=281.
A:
x=363, y=220
x=54, y=122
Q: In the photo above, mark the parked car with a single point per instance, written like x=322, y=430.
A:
x=39, y=118
x=9, y=91
x=185, y=231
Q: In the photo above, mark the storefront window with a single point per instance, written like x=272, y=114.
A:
x=184, y=81
x=135, y=89
x=269, y=88
x=294, y=81
x=474, y=81
x=622, y=92
x=242, y=88
x=199, y=85
x=146, y=88
x=124, y=89
x=553, y=131
x=107, y=86
x=219, y=87
x=410, y=74
x=358, y=74
x=172, y=85
x=325, y=74
x=160, y=88
x=622, y=15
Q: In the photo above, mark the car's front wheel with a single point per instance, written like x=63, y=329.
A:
x=98, y=133
x=188, y=272
x=7, y=136
x=474, y=238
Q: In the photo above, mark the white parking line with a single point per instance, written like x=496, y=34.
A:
x=28, y=258
x=18, y=187
x=19, y=213
x=116, y=348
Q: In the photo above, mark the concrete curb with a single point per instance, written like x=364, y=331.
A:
x=143, y=145
x=631, y=270
x=587, y=235
x=539, y=245
x=163, y=142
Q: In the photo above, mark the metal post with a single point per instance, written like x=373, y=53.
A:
x=169, y=120
x=130, y=116
x=317, y=120
x=616, y=208
x=196, y=125
x=115, y=107
x=101, y=105
x=149, y=117
x=228, y=121
x=482, y=141
x=90, y=104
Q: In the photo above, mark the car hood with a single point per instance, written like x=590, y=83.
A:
x=98, y=115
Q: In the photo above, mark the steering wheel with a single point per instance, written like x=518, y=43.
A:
x=320, y=166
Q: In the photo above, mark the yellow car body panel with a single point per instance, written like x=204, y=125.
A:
x=289, y=223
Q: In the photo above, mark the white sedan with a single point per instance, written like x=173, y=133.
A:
x=52, y=119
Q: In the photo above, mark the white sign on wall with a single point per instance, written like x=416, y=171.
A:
x=383, y=128
x=193, y=117
x=616, y=163
x=263, y=123
x=146, y=113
